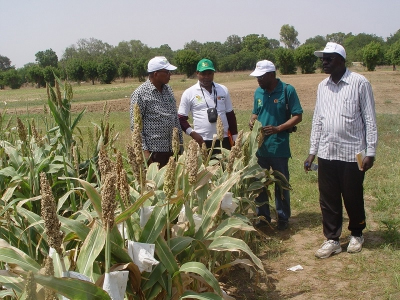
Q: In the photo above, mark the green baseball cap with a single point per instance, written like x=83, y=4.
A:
x=204, y=65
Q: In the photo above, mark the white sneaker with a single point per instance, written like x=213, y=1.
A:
x=328, y=248
x=355, y=244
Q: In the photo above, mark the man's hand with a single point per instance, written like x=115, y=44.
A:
x=146, y=154
x=308, y=162
x=197, y=137
x=367, y=163
x=253, y=118
x=269, y=129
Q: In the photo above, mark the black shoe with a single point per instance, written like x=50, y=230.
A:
x=261, y=224
x=282, y=225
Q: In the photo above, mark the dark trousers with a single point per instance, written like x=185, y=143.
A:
x=225, y=144
x=337, y=180
x=160, y=157
x=282, y=205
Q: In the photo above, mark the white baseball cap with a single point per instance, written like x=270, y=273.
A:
x=332, y=48
x=158, y=63
x=263, y=67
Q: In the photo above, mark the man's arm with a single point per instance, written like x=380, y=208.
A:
x=231, y=117
x=183, y=120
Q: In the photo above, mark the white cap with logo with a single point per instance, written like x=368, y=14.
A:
x=158, y=63
x=332, y=48
x=263, y=67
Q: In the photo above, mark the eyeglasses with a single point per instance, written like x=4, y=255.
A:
x=164, y=71
x=328, y=58
x=260, y=77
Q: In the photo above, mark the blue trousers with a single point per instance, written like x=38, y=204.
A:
x=280, y=164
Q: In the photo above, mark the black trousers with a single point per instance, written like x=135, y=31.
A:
x=337, y=180
x=160, y=157
x=225, y=144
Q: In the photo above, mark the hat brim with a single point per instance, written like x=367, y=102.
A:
x=170, y=67
x=321, y=53
x=206, y=69
x=257, y=73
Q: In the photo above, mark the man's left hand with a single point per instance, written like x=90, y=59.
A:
x=269, y=129
x=367, y=163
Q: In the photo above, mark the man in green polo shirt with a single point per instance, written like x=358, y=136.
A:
x=270, y=109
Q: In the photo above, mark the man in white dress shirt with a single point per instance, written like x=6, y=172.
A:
x=344, y=124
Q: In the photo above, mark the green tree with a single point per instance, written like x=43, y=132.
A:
x=35, y=75
x=289, y=36
x=107, y=70
x=254, y=42
x=318, y=42
x=47, y=58
x=139, y=68
x=75, y=70
x=305, y=58
x=124, y=70
x=193, y=45
x=393, y=38
x=246, y=60
x=354, y=45
x=90, y=70
x=285, y=61
x=267, y=54
x=48, y=74
x=233, y=44
x=5, y=63
x=337, y=37
x=372, y=54
x=394, y=54
x=187, y=60
x=12, y=78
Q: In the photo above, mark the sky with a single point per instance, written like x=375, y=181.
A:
x=27, y=27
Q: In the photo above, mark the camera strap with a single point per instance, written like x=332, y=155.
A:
x=215, y=95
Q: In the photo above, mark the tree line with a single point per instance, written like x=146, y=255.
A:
x=95, y=61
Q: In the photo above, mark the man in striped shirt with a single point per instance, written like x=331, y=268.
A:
x=157, y=104
x=344, y=124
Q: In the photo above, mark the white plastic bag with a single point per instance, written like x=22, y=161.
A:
x=142, y=255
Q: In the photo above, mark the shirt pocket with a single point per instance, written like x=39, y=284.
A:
x=349, y=108
x=221, y=108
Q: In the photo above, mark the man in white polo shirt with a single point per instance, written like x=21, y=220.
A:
x=201, y=97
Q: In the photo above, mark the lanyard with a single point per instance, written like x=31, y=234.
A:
x=215, y=95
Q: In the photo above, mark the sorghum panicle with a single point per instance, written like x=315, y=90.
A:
x=108, y=203
x=175, y=141
x=220, y=129
x=49, y=215
x=137, y=117
x=22, y=132
x=30, y=287
x=191, y=161
x=169, y=178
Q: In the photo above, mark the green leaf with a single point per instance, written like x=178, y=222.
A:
x=179, y=244
x=225, y=243
x=165, y=255
x=212, y=204
x=202, y=296
x=11, y=281
x=154, y=225
x=72, y=288
x=77, y=227
x=93, y=195
x=91, y=248
x=133, y=208
x=11, y=255
x=231, y=223
x=200, y=269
